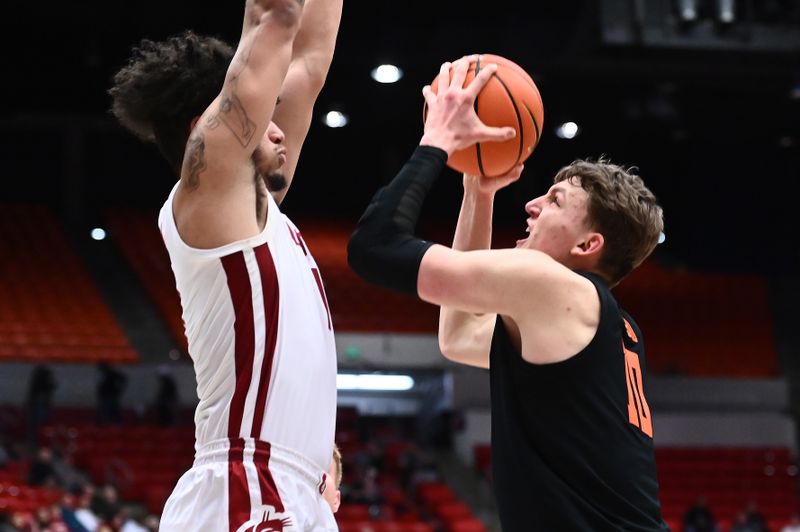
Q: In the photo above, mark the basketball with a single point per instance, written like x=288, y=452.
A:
x=510, y=98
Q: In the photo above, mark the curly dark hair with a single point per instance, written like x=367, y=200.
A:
x=165, y=85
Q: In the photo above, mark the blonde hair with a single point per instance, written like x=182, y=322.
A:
x=622, y=208
x=337, y=460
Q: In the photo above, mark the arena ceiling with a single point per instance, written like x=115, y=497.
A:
x=712, y=121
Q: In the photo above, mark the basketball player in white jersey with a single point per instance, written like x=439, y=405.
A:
x=256, y=317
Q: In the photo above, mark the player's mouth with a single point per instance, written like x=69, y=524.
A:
x=281, y=157
x=527, y=230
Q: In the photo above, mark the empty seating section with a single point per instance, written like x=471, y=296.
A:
x=702, y=324
x=728, y=479
x=17, y=496
x=694, y=323
x=136, y=233
x=355, y=305
x=50, y=310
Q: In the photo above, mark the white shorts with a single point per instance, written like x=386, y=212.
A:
x=248, y=485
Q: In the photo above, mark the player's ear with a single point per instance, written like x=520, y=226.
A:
x=591, y=244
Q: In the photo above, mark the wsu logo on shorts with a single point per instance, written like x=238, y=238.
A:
x=270, y=522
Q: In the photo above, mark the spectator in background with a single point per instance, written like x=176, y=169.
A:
x=48, y=518
x=5, y=456
x=152, y=523
x=42, y=471
x=754, y=518
x=741, y=524
x=698, y=517
x=129, y=523
x=39, y=400
x=68, y=506
x=333, y=481
x=83, y=512
x=793, y=525
x=166, y=401
x=5, y=523
x=105, y=503
x=110, y=386
x=369, y=492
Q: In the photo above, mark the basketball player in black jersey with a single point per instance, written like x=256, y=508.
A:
x=572, y=435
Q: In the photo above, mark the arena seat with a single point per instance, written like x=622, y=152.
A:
x=136, y=233
x=51, y=311
x=701, y=324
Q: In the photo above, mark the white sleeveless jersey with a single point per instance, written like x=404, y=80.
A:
x=260, y=336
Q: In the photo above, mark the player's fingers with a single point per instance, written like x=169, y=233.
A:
x=496, y=133
x=428, y=94
x=444, y=76
x=481, y=79
x=460, y=69
x=513, y=174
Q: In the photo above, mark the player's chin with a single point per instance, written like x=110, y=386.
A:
x=275, y=181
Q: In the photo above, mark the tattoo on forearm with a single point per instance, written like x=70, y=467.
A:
x=194, y=160
x=233, y=114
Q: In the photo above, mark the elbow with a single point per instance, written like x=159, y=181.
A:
x=356, y=253
x=452, y=351
x=446, y=348
x=283, y=13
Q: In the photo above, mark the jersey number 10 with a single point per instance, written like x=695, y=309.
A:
x=638, y=411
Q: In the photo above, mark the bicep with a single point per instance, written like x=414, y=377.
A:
x=507, y=281
x=293, y=115
x=470, y=281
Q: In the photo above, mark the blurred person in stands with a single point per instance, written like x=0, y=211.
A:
x=152, y=523
x=699, y=518
x=42, y=471
x=165, y=404
x=82, y=511
x=49, y=519
x=39, y=400
x=105, y=503
x=231, y=126
x=740, y=524
x=5, y=522
x=793, y=525
x=754, y=518
x=333, y=481
x=5, y=455
x=111, y=385
x=572, y=436
x=129, y=523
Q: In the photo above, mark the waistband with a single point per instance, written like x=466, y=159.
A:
x=259, y=452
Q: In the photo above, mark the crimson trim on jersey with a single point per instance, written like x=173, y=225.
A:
x=244, y=346
x=238, y=490
x=269, y=490
x=270, y=290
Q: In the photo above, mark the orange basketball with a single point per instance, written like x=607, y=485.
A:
x=510, y=98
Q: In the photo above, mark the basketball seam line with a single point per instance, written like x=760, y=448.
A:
x=475, y=106
x=519, y=118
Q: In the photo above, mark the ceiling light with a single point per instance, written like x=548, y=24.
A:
x=387, y=74
x=335, y=119
x=372, y=382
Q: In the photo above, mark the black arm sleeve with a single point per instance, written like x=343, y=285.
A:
x=383, y=249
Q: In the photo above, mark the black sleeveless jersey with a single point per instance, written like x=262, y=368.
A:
x=572, y=446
